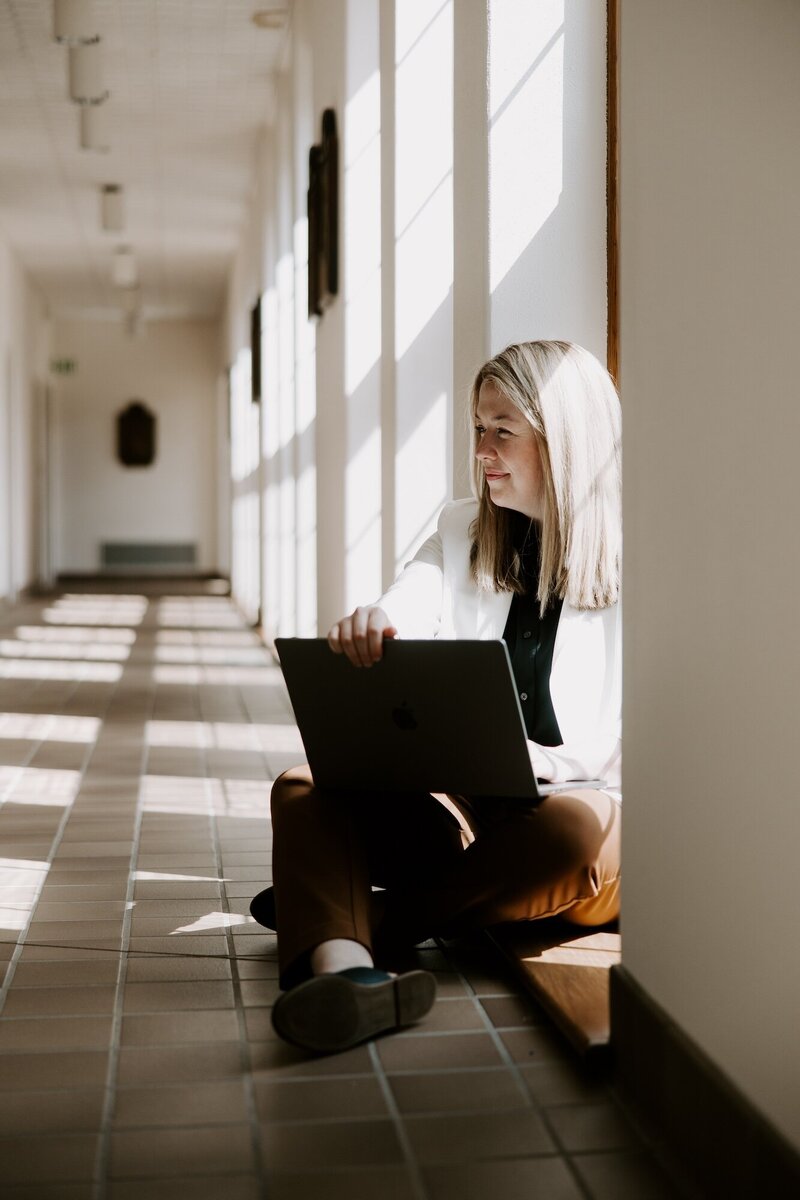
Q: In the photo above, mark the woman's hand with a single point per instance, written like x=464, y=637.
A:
x=360, y=636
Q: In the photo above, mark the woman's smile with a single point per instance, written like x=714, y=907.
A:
x=503, y=434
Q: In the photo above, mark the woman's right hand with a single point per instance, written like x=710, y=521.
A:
x=360, y=636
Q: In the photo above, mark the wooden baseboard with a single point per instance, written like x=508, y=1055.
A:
x=726, y=1147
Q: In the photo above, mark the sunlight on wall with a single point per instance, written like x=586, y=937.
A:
x=284, y=276
x=414, y=521
x=305, y=464
x=361, y=192
x=424, y=166
x=423, y=267
x=526, y=104
x=245, y=472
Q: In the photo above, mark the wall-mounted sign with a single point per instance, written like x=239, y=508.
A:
x=136, y=435
x=63, y=366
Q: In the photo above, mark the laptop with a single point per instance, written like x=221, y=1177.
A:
x=438, y=716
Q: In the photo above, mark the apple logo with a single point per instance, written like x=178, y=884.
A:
x=403, y=717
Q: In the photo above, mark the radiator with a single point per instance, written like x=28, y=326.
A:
x=160, y=556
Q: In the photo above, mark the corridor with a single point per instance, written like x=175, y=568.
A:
x=138, y=735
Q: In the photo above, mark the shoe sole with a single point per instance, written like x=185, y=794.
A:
x=329, y=1012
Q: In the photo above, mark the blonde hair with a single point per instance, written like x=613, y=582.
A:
x=571, y=403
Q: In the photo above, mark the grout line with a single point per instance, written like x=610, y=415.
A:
x=103, y=1154
x=239, y=1007
x=413, y=1167
x=533, y=1104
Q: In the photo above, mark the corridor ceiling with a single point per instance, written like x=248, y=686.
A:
x=191, y=87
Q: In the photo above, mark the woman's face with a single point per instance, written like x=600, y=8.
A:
x=508, y=452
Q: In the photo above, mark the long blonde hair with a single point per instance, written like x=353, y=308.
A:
x=571, y=403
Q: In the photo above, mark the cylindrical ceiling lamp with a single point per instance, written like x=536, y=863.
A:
x=86, y=84
x=74, y=22
x=123, y=268
x=94, y=121
x=112, y=216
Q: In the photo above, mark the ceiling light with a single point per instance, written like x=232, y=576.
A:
x=86, y=73
x=74, y=22
x=270, y=18
x=112, y=217
x=123, y=268
x=94, y=127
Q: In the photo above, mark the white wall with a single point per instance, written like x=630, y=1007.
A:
x=710, y=290
x=173, y=368
x=24, y=345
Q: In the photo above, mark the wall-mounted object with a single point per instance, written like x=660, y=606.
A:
x=95, y=133
x=74, y=22
x=255, y=352
x=136, y=435
x=323, y=218
x=86, y=85
x=112, y=215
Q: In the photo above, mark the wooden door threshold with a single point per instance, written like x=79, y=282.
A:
x=566, y=969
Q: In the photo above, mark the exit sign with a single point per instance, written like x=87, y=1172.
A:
x=63, y=366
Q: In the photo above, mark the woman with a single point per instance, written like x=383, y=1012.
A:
x=535, y=559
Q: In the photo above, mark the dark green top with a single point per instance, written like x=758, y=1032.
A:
x=530, y=640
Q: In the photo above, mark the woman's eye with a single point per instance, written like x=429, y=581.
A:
x=479, y=429
x=504, y=433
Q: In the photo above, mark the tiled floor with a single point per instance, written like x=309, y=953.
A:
x=138, y=736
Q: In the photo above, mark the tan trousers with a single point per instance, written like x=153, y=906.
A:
x=449, y=864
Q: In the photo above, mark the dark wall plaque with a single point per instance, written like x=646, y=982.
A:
x=136, y=435
x=323, y=218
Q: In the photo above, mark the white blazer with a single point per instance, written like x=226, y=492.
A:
x=436, y=597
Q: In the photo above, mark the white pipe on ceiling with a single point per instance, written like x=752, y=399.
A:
x=86, y=85
x=74, y=22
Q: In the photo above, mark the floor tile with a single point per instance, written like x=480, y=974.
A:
x=331, y=1144
x=228, y=1187
x=67, y=1068
x=511, y=1179
x=591, y=1127
x=55, y=1033
x=217, y=1103
x=437, y=1052
x=42, y=1159
x=157, y=1153
x=478, y=1091
x=631, y=1176
x=58, y=1001
x=476, y=1136
x=315, y=1099
x=172, y=1029
x=73, y=1111
x=179, y=1064
x=392, y=1183
x=177, y=995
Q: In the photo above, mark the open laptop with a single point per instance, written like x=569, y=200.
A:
x=438, y=716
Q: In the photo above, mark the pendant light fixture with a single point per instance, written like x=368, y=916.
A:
x=123, y=268
x=112, y=215
x=86, y=84
x=74, y=22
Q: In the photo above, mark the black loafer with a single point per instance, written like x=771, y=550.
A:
x=262, y=907
x=333, y=1012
